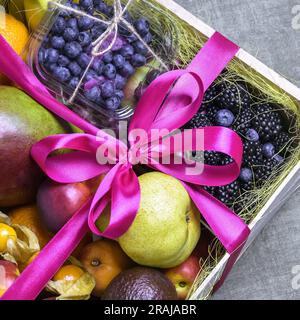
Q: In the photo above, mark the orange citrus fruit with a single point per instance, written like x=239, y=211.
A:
x=6, y=233
x=28, y=216
x=68, y=273
x=15, y=33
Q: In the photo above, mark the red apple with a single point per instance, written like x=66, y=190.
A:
x=58, y=202
x=8, y=274
x=184, y=275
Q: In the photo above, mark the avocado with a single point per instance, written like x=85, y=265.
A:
x=23, y=122
x=140, y=283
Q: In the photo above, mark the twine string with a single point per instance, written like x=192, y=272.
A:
x=106, y=36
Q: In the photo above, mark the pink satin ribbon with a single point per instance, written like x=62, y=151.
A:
x=168, y=103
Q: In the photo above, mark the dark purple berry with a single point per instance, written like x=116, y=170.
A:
x=98, y=66
x=90, y=75
x=142, y=26
x=51, y=56
x=198, y=121
x=140, y=48
x=109, y=71
x=152, y=75
x=86, y=4
x=246, y=175
x=63, y=61
x=93, y=94
x=107, y=89
x=120, y=94
x=224, y=118
x=138, y=60
x=252, y=135
x=74, y=83
x=62, y=74
x=85, y=23
x=83, y=60
x=72, y=49
x=113, y=103
x=72, y=23
x=118, y=60
x=97, y=30
x=107, y=57
x=75, y=69
x=127, y=51
x=268, y=150
x=57, y=42
x=70, y=34
x=148, y=37
x=59, y=26
x=120, y=82
x=127, y=70
x=84, y=38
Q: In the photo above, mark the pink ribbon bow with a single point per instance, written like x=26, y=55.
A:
x=168, y=103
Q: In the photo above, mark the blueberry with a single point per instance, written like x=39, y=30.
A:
x=90, y=75
x=72, y=23
x=109, y=71
x=118, y=60
x=97, y=30
x=51, y=67
x=131, y=38
x=63, y=61
x=113, y=103
x=86, y=4
x=74, y=82
x=140, y=48
x=120, y=82
x=83, y=60
x=148, y=37
x=62, y=74
x=98, y=66
x=120, y=94
x=73, y=49
x=42, y=55
x=57, y=42
x=70, y=34
x=107, y=89
x=252, y=135
x=51, y=55
x=127, y=70
x=127, y=51
x=59, y=26
x=107, y=57
x=85, y=23
x=93, y=94
x=138, y=60
x=246, y=175
x=102, y=7
x=142, y=26
x=225, y=118
x=75, y=68
x=268, y=150
x=84, y=38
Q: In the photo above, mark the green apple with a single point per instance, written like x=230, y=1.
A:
x=35, y=11
x=167, y=226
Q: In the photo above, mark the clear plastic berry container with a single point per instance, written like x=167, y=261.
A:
x=101, y=84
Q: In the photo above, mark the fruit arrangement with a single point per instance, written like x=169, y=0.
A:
x=166, y=247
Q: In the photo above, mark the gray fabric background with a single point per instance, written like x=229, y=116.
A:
x=263, y=28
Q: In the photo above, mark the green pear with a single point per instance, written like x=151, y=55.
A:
x=167, y=226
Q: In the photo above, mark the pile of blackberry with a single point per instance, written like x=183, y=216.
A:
x=262, y=131
x=66, y=52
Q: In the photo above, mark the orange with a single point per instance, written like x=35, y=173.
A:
x=6, y=233
x=28, y=216
x=68, y=273
x=15, y=33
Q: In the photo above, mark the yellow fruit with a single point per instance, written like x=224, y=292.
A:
x=6, y=233
x=32, y=258
x=16, y=9
x=35, y=11
x=28, y=216
x=68, y=273
x=16, y=34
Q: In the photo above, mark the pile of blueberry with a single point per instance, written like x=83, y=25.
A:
x=66, y=52
x=261, y=127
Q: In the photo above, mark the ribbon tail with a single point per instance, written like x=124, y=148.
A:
x=36, y=276
x=230, y=229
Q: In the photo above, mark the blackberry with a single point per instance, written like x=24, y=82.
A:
x=211, y=112
x=253, y=154
x=212, y=158
x=211, y=190
x=267, y=122
x=233, y=97
x=243, y=121
x=247, y=186
x=225, y=160
x=265, y=170
x=200, y=120
x=281, y=141
x=210, y=94
x=229, y=193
